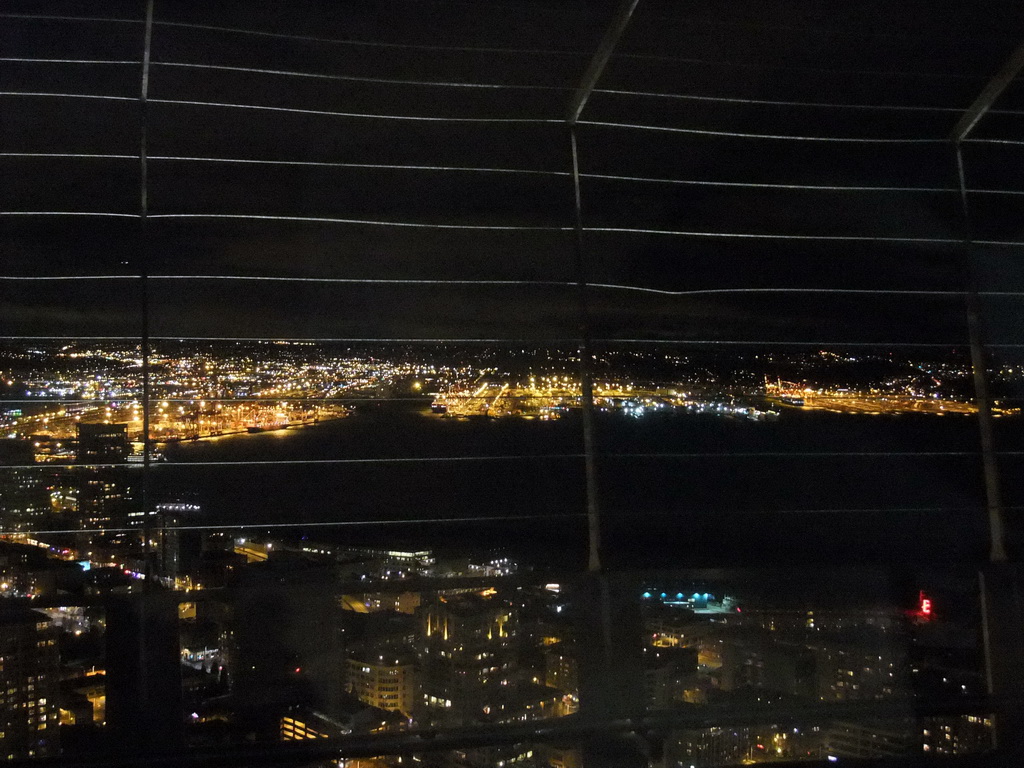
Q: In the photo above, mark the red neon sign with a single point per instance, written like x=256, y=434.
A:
x=925, y=605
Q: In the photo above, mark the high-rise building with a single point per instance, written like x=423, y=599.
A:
x=164, y=536
x=467, y=658
x=386, y=683
x=104, y=495
x=469, y=674
x=956, y=734
x=29, y=685
x=24, y=496
x=102, y=443
x=871, y=739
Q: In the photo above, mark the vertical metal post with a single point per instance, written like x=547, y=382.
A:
x=1002, y=616
x=990, y=467
x=144, y=288
x=610, y=670
x=586, y=377
x=616, y=27
x=143, y=658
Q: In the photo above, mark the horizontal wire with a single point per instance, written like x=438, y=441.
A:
x=255, y=399
x=783, y=102
x=973, y=140
x=70, y=155
x=529, y=171
x=31, y=278
x=331, y=399
x=814, y=511
x=768, y=343
x=518, y=283
x=772, y=136
x=360, y=115
x=299, y=163
x=994, y=191
x=531, y=87
x=294, y=73
x=51, y=17
x=372, y=43
x=43, y=400
x=526, y=341
x=373, y=166
x=525, y=228
x=602, y=176
x=764, y=185
x=99, y=97
x=789, y=68
x=71, y=213
x=311, y=219
x=315, y=524
x=248, y=526
x=27, y=60
x=796, y=454
x=468, y=49
x=368, y=222
x=771, y=236
x=294, y=110
x=515, y=120
x=363, y=78
x=166, y=466
x=284, y=339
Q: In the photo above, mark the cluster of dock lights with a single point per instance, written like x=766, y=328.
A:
x=680, y=596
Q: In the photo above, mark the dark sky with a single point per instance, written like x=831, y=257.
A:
x=384, y=59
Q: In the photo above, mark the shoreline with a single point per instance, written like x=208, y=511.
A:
x=243, y=432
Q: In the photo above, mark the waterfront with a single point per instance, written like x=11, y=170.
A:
x=681, y=487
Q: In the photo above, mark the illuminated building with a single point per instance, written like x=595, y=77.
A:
x=466, y=656
x=24, y=498
x=386, y=564
x=375, y=602
x=956, y=735
x=708, y=746
x=557, y=757
x=468, y=669
x=164, y=542
x=847, y=671
x=101, y=499
x=383, y=683
x=102, y=443
x=869, y=739
x=26, y=571
x=301, y=725
x=561, y=670
x=169, y=518
x=29, y=685
x=103, y=493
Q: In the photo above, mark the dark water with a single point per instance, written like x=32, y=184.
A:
x=719, y=491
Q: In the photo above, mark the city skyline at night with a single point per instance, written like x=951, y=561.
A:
x=591, y=384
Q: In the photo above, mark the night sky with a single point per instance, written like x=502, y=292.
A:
x=368, y=60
